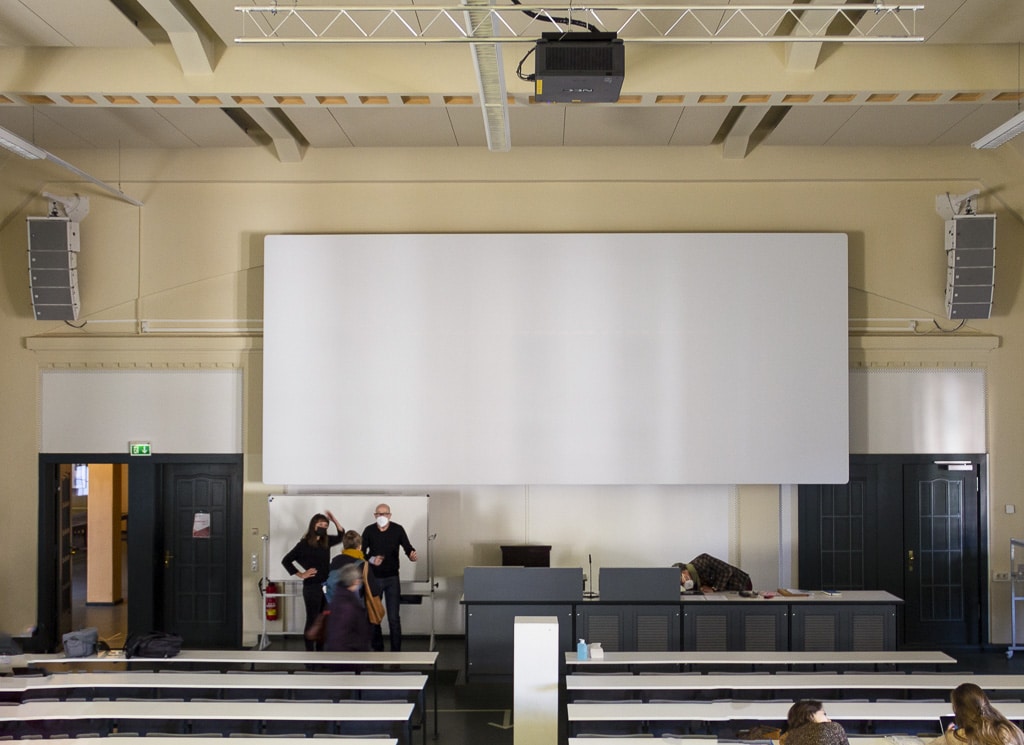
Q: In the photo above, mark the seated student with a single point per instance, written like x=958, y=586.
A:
x=976, y=721
x=807, y=724
x=712, y=575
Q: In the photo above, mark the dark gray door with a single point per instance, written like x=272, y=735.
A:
x=911, y=527
x=941, y=556
x=201, y=570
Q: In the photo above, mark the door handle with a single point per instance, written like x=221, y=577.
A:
x=167, y=558
x=910, y=560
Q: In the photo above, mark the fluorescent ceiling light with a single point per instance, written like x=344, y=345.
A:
x=1003, y=133
x=26, y=149
x=15, y=144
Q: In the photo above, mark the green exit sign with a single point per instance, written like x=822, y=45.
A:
x=139, y=448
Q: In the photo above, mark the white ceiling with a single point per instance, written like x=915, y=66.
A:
x=170, y=74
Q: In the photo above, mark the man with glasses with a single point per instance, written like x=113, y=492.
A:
x=381, y=541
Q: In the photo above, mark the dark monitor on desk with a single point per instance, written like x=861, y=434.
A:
x=644, y=584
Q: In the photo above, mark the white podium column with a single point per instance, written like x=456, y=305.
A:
x=535, y=683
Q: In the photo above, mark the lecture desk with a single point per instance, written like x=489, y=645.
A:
x=292, y=711
x=722, y=711
x=755, y=659
x=172, y=684
x=245, y=658
x=695, y=740
x=805, y=681
x=244, y=740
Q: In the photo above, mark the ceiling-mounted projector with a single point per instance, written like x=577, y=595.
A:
x=579, y=67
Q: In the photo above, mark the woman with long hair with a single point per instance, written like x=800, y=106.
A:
x=807, y=724
x=977, y=722
x=313, y=555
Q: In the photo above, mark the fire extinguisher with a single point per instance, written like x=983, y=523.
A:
x=271, y=601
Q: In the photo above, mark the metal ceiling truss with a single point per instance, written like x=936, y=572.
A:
x=636, y=23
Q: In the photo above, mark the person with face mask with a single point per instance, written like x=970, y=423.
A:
x=313, y=555
x=709, y=574
x=381, y=542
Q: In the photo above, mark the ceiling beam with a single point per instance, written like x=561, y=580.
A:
x=737, y=143
x=194, y=48
x=287, y=147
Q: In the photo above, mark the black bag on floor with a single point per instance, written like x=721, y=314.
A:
x=152, y=644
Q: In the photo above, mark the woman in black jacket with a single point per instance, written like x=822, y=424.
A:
x=313, y=554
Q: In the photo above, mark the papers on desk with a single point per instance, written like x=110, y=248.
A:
x=716, y=596
x=791, y=593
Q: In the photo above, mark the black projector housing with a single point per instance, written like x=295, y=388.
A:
x=579, y=67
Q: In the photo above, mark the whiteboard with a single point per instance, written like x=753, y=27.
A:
x=682, y=358
x=290, y=514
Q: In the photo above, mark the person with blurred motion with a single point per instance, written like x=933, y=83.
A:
x=381, y=543
x=312, y=554
x=347, y=628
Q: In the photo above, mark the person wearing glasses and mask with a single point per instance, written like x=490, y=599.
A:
x=807, y=724
x=313, y=554
x=709, y=574
x=381, y=542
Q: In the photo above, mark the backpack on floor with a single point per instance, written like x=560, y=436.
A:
x=152, y=644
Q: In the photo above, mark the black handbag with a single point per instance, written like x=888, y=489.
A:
x=152, y=644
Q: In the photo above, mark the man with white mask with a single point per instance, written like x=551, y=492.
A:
x=381, y=542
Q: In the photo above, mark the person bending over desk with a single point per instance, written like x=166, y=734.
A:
x=976, y=721
x=712, y=575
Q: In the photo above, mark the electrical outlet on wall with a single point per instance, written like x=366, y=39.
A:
x=1000, y=576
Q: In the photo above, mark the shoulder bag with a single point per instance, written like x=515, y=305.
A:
x=374, y=607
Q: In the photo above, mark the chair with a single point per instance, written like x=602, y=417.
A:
x=609, y=728
x=148, y=726
x=224, y=727
x=302, y=728
x=368, y=728
x=599, y=695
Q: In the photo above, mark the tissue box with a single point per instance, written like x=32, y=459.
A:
x=596, y=653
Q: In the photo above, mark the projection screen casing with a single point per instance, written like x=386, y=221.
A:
x=555, y=359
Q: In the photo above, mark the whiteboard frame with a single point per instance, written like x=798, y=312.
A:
x=289, y=514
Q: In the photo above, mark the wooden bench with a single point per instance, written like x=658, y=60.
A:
x=189, y=712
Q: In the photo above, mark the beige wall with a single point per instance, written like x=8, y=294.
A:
x=195, y=251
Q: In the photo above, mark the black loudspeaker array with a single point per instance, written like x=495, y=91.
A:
x=53, y=268
x=970, y=266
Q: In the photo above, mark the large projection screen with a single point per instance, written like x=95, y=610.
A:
x=555, y=359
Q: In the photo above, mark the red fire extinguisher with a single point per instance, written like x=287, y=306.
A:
x=271, y=601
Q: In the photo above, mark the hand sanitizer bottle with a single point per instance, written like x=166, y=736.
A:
x=581, y=650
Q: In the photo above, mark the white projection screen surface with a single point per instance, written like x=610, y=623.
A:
x=555, y=359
